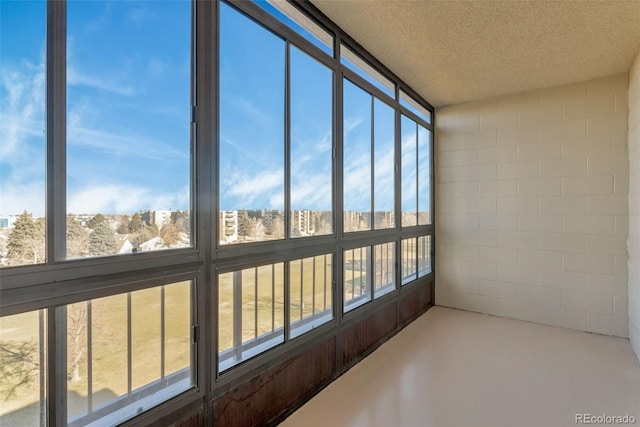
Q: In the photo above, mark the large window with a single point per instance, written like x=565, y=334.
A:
x=127, y=353
x=128, y=127
x=416, y=173
x=252, y=95
x=250, y=312
x=358, y=106
x=189, y=191
x=310, y=293
x=22, y=133
x=311, y=89
x=23, y=358
x=368, y=150
x=357, y=277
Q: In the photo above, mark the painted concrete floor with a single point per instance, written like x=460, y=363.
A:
x=456, y=368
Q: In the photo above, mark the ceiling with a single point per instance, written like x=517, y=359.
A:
x=457, y=51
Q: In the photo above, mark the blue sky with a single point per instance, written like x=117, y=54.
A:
x=128, y=98
x=22, y=97
x=128, y=106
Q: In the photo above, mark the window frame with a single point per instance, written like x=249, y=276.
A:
x=59, y=281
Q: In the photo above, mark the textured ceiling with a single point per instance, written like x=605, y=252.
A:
x=457, y=51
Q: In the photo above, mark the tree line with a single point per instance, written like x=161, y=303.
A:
x=27, y=241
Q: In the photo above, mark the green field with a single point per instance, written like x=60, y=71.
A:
x=109, y=344
x=268, y=314
x=262, y=311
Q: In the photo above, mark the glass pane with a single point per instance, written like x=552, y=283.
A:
x=409, y=166
x=413, y=106
x=357, y=277
x=22, y=133
x=310, y=293
x=128, y=127
x=424, y=255
x=357, y=158
x=424, y=176
x=383, y=167
x=132, y=335
x=251, y=312
x=177, y=327
x=409, y=255
x=288, y=14
x=252, y=93
x=311, y=146
x=146, y=336
x=366, y=71
x=23, y=369
x=384, y=257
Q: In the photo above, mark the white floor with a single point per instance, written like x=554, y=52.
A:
x=457, y=368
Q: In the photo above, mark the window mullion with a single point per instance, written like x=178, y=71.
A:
x=417, y=174
x=373, y=171
x=56, y=129
x=55, y=112
x=288, y=213
x=398, y=195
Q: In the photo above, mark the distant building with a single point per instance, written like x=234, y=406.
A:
x=8, y=221
x=157, y=218
x=304, y=223
x=268, y=215
x=383, y=219
x=160, y=218
x=151, y=245
x=124, y=245
x=351, y=220
x=228, y=226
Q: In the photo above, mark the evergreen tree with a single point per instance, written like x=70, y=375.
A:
x=244, y=224
x=102, y=240
x=123, y=225
x=77, y=238
x=144, y=234
x=26, y=243
x=136, y=223
x=95, y=221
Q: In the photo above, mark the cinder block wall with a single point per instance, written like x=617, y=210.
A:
x=532, y=207
x=633, y=242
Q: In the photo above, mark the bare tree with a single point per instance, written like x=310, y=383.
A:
x=277, y=228
x=257, y=229
x=169, y=234
x=19, y=366
x=77, y=325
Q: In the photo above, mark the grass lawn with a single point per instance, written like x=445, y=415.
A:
x=263, y=299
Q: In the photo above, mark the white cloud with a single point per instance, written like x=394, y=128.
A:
x=252, y=112
x=20, y=196
x=252, y=191
x=121, y=143
x=357, y=183
x=22, y=138
x=77, y=78
x=119, y=198
x=22, y=108
x=350, y=123
x=312, y=192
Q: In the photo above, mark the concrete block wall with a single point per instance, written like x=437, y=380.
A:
x=532, y=209
x=633, y=243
